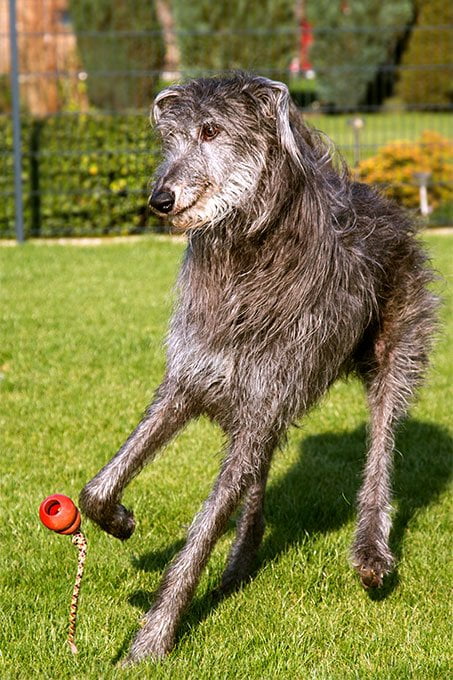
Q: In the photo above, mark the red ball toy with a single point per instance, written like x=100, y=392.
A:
x=58, y=513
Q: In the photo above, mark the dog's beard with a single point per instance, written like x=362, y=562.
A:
x=197, y=214
x=208, y=211
x=216, y=203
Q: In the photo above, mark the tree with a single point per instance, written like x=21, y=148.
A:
x=122, y=51
x=216, y=36
x=172, y=58
x=426, y=76
x=352, y=40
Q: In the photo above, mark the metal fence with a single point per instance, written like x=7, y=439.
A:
x=76, y=147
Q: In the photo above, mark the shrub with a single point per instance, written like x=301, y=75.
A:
x=7, y=208
x=394, y=166
x=352, y=40
x=215, y=36
x=121, y=49
x=426, y=66
x=82, y=175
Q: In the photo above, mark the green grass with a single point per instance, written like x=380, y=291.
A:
x=380, y=129
x=80, y=355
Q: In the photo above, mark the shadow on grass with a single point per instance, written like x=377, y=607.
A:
x=317, y=495
x=156, y=560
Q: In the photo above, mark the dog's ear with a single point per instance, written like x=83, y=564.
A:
x=276, y=102
x=159, y=102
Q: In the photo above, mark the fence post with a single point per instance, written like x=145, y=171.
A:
x=18, y=197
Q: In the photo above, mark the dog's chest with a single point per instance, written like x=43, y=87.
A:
x=206, y=371
x=249, y=335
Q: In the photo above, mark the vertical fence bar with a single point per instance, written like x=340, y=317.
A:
x=18, y=197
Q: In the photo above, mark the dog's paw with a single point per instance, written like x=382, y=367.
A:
x=113, y=518
x=154, y=641
x=120, y=523
x=233, y=579
x=370, y=577
x=372, y=567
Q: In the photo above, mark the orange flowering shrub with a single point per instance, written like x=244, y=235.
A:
x=394, y=167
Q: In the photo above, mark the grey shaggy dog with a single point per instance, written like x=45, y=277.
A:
x=294, y=275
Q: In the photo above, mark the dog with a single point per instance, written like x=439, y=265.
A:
x=294, y=276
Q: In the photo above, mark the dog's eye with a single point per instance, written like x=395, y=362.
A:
x=208, y=131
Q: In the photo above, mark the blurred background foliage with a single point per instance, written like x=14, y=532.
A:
x=353, y=45
x=90, y=68
x=123, y=67
x=216, y=36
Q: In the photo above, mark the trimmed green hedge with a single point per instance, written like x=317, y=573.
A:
x=425, y=74
x=82, y=175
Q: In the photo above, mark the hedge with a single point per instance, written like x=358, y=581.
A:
x=82, y=175
x=88, y=175
x=425, y=74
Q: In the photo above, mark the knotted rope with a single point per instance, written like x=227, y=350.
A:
x=79, y=540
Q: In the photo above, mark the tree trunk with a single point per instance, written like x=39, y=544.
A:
x=172, y=59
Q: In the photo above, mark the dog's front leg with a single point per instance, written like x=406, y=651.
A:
x=249, y=533
x=100, y=498
x=157, y=636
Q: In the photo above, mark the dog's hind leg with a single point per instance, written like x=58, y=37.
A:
x=398, y=362
x=100, y=498
x=371, y=555
x=244, y=462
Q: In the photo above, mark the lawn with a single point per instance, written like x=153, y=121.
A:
x=379, y=129
x=80, y=355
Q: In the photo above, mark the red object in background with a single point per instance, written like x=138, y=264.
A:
x=301, y=62
x=306, y=40
x=58, y=513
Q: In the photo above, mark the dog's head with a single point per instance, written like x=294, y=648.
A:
x=218, y=135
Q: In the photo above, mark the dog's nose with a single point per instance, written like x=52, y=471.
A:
x=162, y=201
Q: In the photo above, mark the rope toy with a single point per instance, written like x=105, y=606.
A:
x=58, y=513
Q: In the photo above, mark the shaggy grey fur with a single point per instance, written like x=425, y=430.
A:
x=294, y=275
